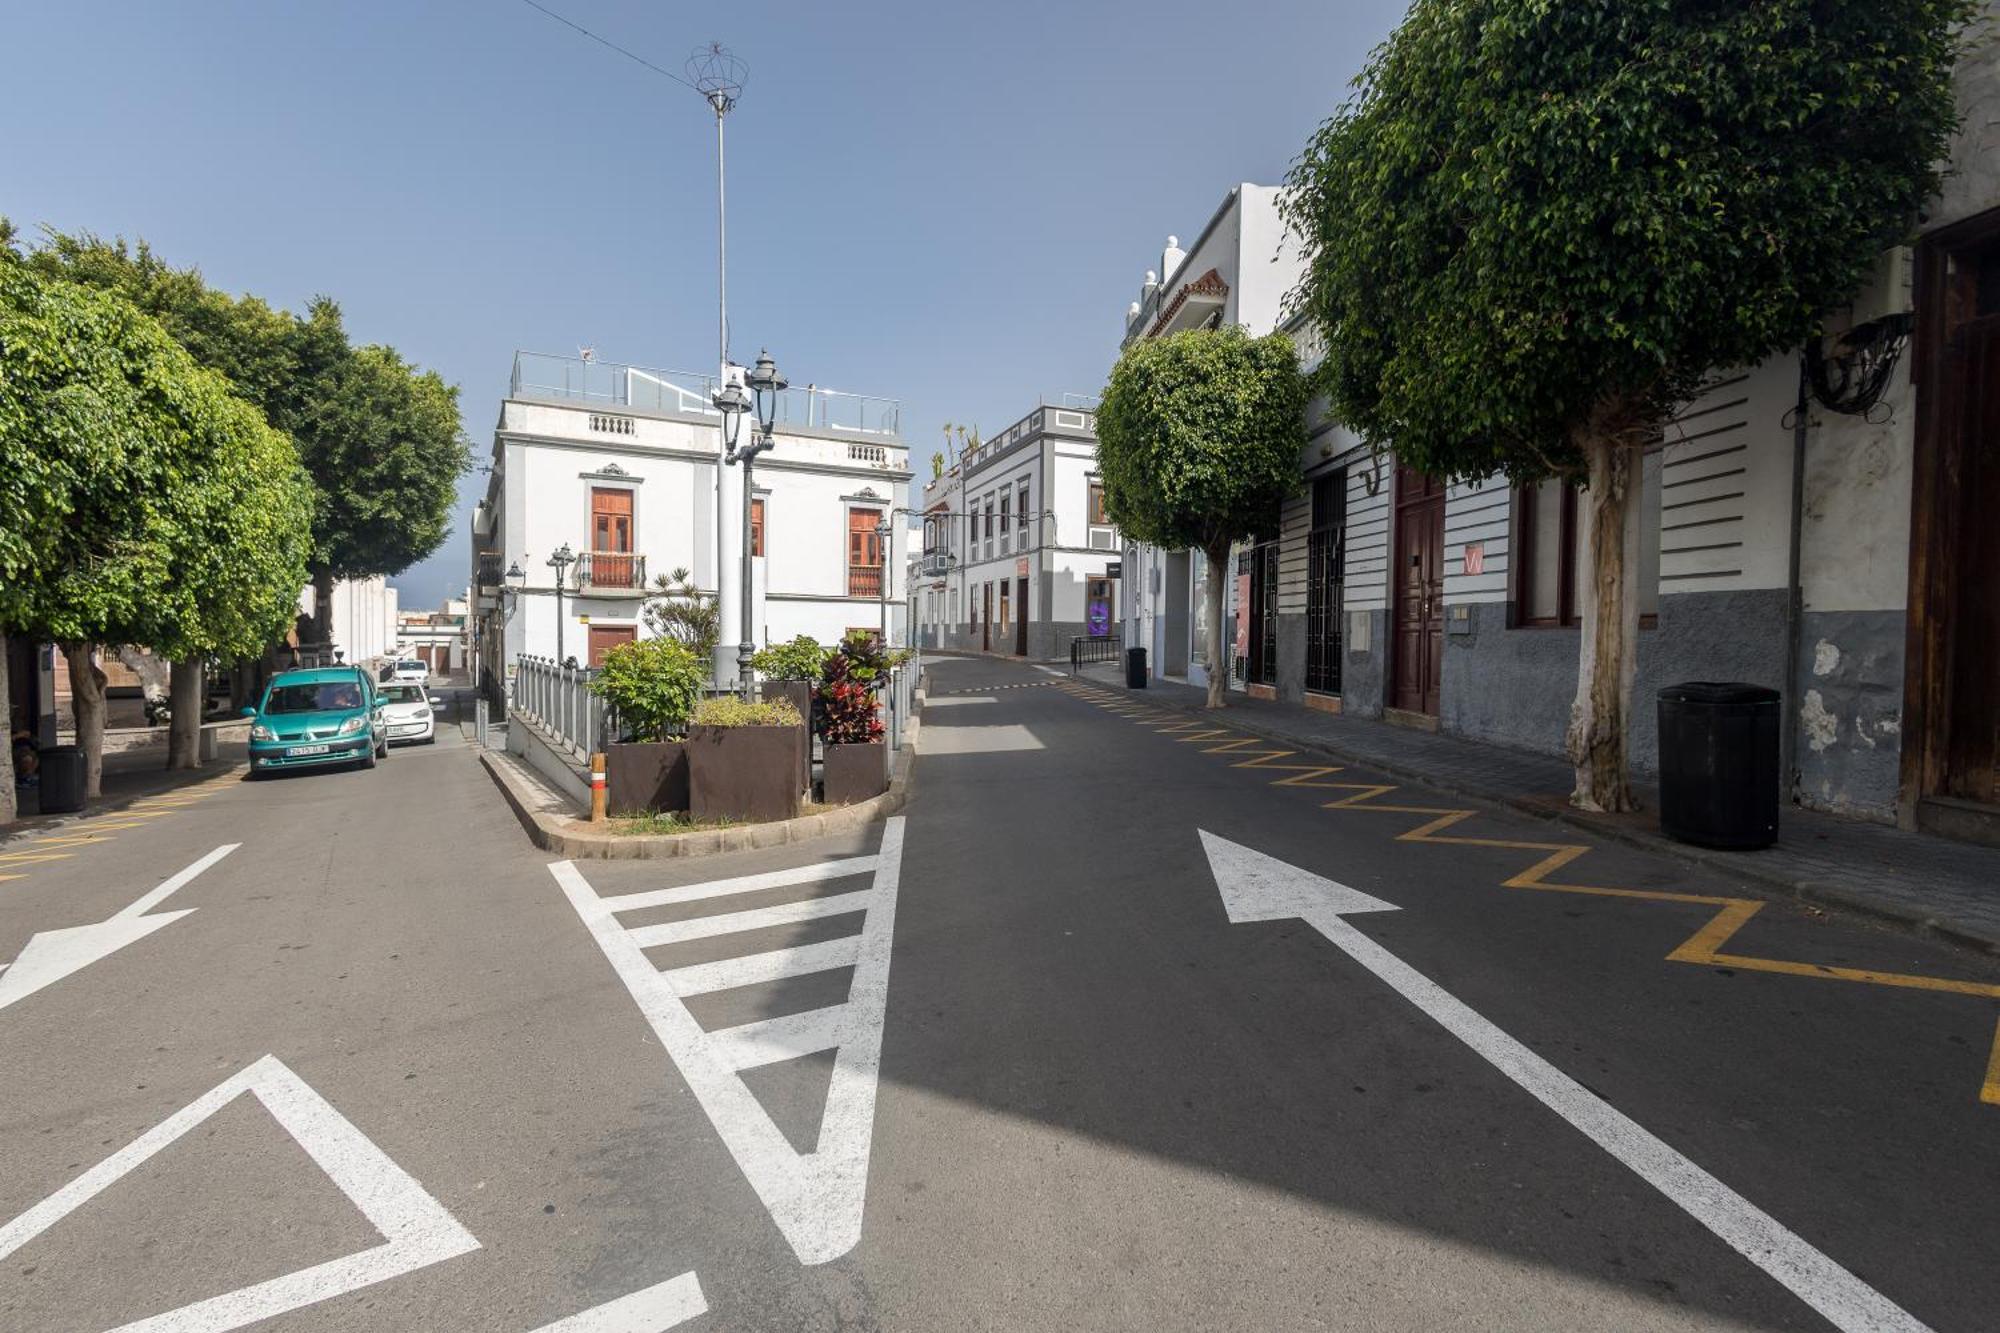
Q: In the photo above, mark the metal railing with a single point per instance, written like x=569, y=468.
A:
x=558, y=699
x=899, y=699
x=864, y=580
x=550, y=375
x=1084, y=649
x=610, y=569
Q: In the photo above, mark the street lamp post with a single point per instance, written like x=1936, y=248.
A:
x=765, y=383
x=560, y=562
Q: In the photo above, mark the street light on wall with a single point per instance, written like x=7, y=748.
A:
x=560, y=562
x=765, y=383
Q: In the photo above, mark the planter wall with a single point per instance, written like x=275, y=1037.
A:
x=646, y=775
x=856, y=772
x=745, y=774
x=799, y=694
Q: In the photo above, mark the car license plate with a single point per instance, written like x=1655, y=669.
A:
x=294, y=751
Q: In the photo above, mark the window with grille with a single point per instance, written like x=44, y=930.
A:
x=1325, y=570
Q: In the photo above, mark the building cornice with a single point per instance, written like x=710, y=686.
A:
x=769, y=462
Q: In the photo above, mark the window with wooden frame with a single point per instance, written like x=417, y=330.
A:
x=1551, y=563
x=1006, y=516
x=1021, y=511
x=864, y=553
x=756, y=527
x=1098, y=518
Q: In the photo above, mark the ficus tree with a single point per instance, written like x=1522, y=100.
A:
x=380, y=438
x=1538, y=225
x=1198, y=440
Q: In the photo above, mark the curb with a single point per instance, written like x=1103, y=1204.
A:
x=569, y=837
x=1831, y=896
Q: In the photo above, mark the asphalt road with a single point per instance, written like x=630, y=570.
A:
x=1003, y=1064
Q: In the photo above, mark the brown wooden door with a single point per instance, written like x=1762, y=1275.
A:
x=603, y=638
x=611, y=537
x=1419, y=585
x=1972, y=738
x=864, y=553
x=1020, y=617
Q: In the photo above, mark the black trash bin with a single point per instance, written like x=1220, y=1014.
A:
x=1719, y=764
x=1135, y=668
x=61, y=770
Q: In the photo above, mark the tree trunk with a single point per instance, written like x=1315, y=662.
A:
x=323, y=608
x=86, y=701
x=1212, y=597
x=1610, y=623
x=7, y=807
x=184, y=694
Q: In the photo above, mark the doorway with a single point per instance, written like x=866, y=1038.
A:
x=603, y=638
x=611, y=563
x=1020, y=617
x=1174, y=620
x=1951, y=763
x=986, y=619
x=1419, y=629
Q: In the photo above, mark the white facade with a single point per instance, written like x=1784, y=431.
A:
x=1238, y=272
x=1012, y=554
x=364, y=617
x=561, y=461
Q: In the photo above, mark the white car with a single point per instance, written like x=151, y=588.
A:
x=410, y=668
x=406, y=712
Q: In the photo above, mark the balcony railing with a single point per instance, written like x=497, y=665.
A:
x=548, y=375
x=488, y=575
x=611, y=569
x=864, y=580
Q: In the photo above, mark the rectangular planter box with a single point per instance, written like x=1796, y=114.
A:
x=799, y=694
x=745, y=774
x=856, y=772
x=646, y=775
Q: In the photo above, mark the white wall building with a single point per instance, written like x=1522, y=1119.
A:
x=364, y=617
x=1018, y=556
x=620, y=464
x=1238, y=272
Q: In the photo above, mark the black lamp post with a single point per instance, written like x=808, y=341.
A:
x=765, y=384
x=560, y=563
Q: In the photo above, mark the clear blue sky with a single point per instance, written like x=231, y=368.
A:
x=947, y=203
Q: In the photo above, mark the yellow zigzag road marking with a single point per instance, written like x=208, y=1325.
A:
x=1703, y=947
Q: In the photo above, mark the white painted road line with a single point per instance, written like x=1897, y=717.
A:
x=816, y=1199
x=758, y=968
x=722, y=888
x=416, y=1229
x=959, y=700
x=785, y=1037
x=51, y=955
x=785, y=914
x=1000, y=739
x=653, y=1310
x=1256, y=887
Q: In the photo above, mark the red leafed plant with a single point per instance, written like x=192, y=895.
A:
x=847, y=687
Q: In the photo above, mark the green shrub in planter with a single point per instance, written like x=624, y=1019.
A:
x=801, y=659
x=743, y=760
x=654, y=684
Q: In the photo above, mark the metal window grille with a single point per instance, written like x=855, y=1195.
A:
x=1325, y=568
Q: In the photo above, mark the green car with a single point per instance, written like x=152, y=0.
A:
x=328, y=715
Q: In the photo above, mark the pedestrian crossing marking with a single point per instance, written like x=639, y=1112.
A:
x=1704, y=947
x=815, y=1198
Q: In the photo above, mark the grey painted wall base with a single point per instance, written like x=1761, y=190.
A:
x=1292, y=658
x=1364, y=673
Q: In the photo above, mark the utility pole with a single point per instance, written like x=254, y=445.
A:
x=718, y=76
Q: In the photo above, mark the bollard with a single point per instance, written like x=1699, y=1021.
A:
x=597, y=788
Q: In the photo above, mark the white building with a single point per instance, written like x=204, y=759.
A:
x=1018, y=556
x=1238, y=272
x=620, y=465
x=364, y=617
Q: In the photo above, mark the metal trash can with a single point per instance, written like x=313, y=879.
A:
x=61, y=770
x=1135, y=668
x=1719, y=764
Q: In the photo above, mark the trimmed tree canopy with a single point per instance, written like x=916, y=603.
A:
x=1198, y=437
x=1536, y=213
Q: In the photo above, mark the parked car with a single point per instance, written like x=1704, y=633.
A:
x=408, y=710
x=410, y=668
x=324, y=715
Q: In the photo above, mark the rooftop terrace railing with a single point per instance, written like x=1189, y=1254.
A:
x=553, y=376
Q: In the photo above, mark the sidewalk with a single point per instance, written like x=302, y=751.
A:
x=130, y=775
x=1924, y=883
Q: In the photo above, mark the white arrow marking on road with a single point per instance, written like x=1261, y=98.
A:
x=1256, y=887
x=815, y=1198
x=653, y=1310
x=416, y=1229
x=51, y=955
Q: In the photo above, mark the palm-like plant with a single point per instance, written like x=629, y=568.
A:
x=678, y=610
